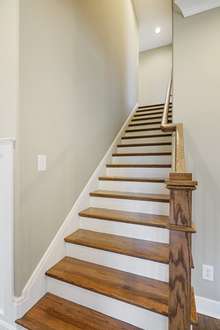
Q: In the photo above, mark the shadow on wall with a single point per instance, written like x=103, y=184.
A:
x=206, y=243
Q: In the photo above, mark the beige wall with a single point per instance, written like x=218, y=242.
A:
x=197, y=104
x=78, y=79
x=154, y=74
x=9, y=21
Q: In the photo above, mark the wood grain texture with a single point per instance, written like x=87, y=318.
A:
x=144, y=144
x=180, y=298
x=145, y=136
x=143, y=129
x=151, y=109
x=152, y=105
x=149, y=113
x=148, y=118
x=162, y=198
x=207, y=323
x=148, y=123
x=131, y=179
x=137, y=248
x=138, y=165
x=55, y=313
x=144, y=219
x=180, y=281
x=141, y=154
x=133, y=289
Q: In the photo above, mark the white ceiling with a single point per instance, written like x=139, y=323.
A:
x=151, y=14
x=192, y=7
x=154, y=13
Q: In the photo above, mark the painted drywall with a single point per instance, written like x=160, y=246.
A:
x=9, y=21
x=154, y=74
x=78, y=83
x=197, y=104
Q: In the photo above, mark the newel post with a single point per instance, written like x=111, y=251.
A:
x=180, y=263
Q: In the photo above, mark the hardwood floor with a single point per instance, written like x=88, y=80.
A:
x=207, y=323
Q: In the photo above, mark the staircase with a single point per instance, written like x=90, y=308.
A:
x=117, y=267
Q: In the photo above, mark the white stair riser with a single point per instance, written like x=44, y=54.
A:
x=138, y=172
x=142, y=160
x=143, y=187
x=147, y=140
x=128, y=313
x=163, y=148
x=121, y=262
x=130, y=205
x=154, y=234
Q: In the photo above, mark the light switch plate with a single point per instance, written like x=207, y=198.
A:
x=41, y=163
x=208, y=272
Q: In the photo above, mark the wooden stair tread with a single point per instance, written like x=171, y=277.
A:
x=144, y=117
x=162, y=198
x=131, y=179
x=143, y=130
x=134, y=289
x=148, y=123
x=141, y=154
x=145, y=123
x=145, y=136
x=154, y=251
x=153, y=220
x=138, y=165
x=152, y=105
x=53, y=312
x=141, y=110
x=149, y=113
x=144, y=144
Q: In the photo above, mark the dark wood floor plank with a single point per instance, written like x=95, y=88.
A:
x=133, y=289
x=144, y=219
x=138, y=248
x=55, y=313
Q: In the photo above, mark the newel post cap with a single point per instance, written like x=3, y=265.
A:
x=181, y=181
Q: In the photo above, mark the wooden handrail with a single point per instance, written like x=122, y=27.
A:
x=179, y=155
x=181, y=185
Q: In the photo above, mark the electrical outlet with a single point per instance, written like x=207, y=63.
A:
x=208, y=272
x=41, y=163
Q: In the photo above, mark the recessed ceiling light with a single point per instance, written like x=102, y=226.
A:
x=157, y=30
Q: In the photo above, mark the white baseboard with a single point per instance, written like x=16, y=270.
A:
x=36, y=286
x=208, y=307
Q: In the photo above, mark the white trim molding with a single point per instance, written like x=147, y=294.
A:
x=208, y=307
x=192, y=7
x=36, y=286
x=7, y=311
